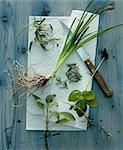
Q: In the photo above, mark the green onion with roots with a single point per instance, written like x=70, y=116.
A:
x=76, y=40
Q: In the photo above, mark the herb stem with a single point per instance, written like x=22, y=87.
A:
x=47, y=121
x=46, y=128
x=92, y=122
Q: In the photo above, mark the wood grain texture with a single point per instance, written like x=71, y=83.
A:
x=14, y=15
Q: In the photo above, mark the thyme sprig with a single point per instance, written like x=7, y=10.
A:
x=72, y=73
x=62, y=83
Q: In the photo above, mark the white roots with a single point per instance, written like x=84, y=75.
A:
x=29, y=82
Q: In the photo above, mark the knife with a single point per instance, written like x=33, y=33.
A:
x=86, y=58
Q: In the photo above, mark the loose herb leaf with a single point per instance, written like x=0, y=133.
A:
x=68, y=115
x=50, y=98
x=81, y=108
x=38, y=101
x=62, y=121
x=75, y=96
x=88, y=95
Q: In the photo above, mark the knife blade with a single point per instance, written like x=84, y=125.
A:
x=86, y=58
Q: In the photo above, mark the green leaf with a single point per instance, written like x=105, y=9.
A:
x=40, y=104
x=88, y=95
x=36, y=97
x=49, y=98
x=62, y=121
x=92, y=103
x=90, y=98
x=38, y=101
x=53, y=104
x=75, y=96
x=81, y=108
x=56, y=114
x=68, y=115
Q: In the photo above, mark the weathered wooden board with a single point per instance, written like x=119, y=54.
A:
x=14, y=15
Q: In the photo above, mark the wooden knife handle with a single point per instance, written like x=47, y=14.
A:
x=98, y=77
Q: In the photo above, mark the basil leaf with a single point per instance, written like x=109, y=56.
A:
x=62, y=121
x=88, y=95
x=38, y=101
x=36, y=97
x=81, y=108
x=68, y=115
x=49, y=98
x=75, y=96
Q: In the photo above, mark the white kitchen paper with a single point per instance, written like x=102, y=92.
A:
x=43, y=62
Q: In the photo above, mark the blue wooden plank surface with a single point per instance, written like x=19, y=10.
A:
x=13, y=16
